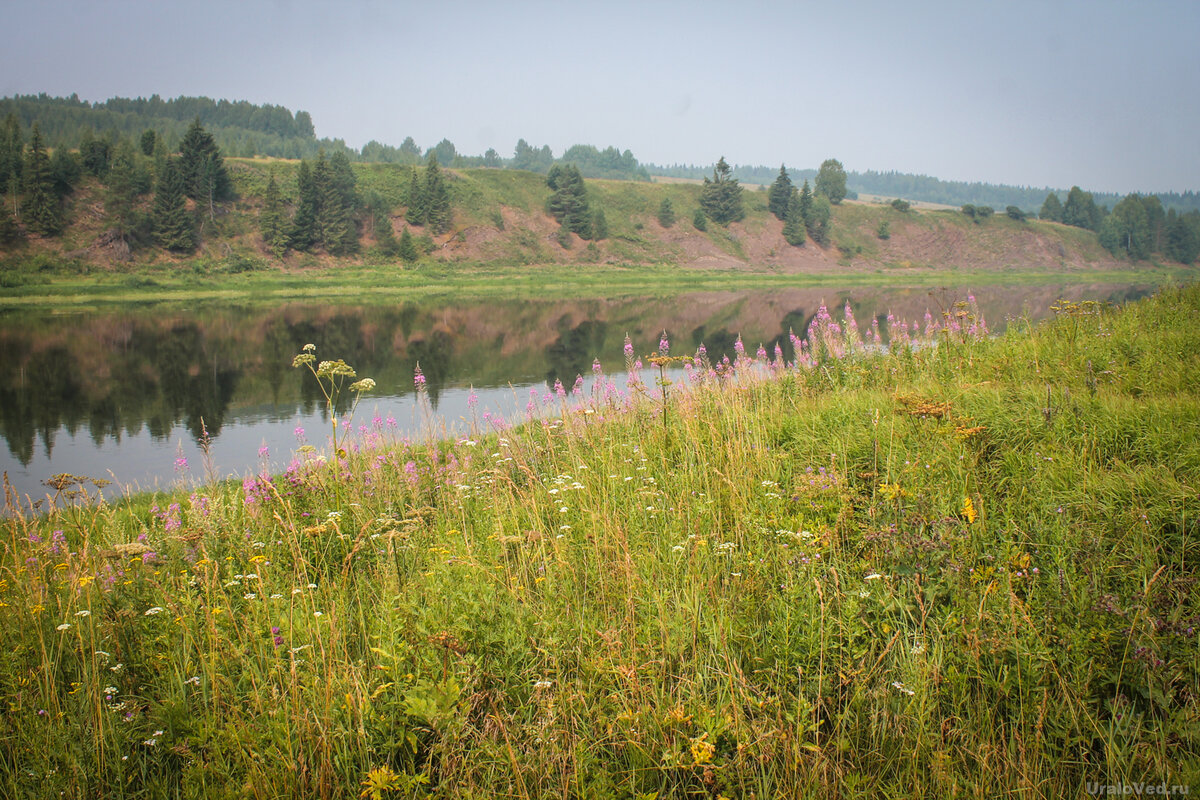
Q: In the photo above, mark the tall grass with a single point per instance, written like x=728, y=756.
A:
x=966, y=569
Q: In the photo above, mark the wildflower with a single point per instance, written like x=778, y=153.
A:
x=542, y=684
x=83, y=613
x=150, y=612
x=64, y=626
x=249, y=596
x=419, y=378
x=702, y=750
x=194, y=680
x=874, y=576
x=380, y=780
x=318, y=613
x=181, y=464
x=968, y=509
x=902, y=688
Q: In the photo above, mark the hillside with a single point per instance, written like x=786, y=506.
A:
x=499, y=218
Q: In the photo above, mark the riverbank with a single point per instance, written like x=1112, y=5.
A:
x=953, y=570
x=432, y=281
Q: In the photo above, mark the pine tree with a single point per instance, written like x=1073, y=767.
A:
x=43, y=212
x=666, y=213
x=779, y=197
x=343, y=180
x=272, y=221
x=304, y=234
x=417, y=207
x=437, y=197
x=721, y=198
x=174, y=226
x=794, y=231
x=1052, y=209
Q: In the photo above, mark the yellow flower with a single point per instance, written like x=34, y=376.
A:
x=702, y=750
x=968, y=509
x=378, y=781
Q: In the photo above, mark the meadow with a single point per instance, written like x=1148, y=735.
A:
x=960, y=565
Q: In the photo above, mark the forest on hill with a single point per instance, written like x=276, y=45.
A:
x=130, y=179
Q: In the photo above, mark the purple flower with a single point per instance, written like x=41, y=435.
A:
x=264, y=451
x=181, y=464
x=299, y=433
x=419, y=379
x=664, y=346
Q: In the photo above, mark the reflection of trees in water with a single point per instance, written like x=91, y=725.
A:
x=572, y=353
x=116, y=375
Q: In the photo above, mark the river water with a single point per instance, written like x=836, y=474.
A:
x=127, y=395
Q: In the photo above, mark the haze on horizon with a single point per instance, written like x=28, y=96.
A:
x=1101, y=94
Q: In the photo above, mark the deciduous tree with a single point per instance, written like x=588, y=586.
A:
x=831, y=180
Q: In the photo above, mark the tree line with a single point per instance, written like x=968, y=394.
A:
x=1137, y=227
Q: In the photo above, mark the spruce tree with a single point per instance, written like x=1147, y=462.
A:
x=779, y=197
x=666, y=213
x=120, y=196
x=806, y=203
x=9, y=232
x=147, y=141
x=1052, y=209
x=385, y=237
x=174, y=225
x=304, y=235
x=721, y=197
x=794, y=232
x=437, y=197
x=272, y=221
x=416, y=212
x=699, y=221
x=204, y=175
x=599, y=225
x=569, y=203
x=65, y=170
x=11, y=148
x=407, y=248
x=43, y=212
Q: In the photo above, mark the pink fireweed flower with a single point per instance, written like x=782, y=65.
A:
x=419, y=378
x=472, y=399
x=264, y=451
x=181, y=464
x=559, y=391
x=628, y=348
x=761, y=354
x=577, y=389
x=596, y=368
x=299, y=432
x=664, y=346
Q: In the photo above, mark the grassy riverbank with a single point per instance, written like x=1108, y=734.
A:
x=430, y=281
x=963, y=570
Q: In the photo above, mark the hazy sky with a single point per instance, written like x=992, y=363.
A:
x=1103, y=93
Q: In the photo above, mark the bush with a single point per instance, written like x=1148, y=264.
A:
x=1016, y=213
x=901, y=205
x=884, y=231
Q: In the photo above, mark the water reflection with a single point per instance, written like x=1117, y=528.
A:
x=123, y=387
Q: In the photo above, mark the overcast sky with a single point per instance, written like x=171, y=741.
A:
x=1103, y=93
